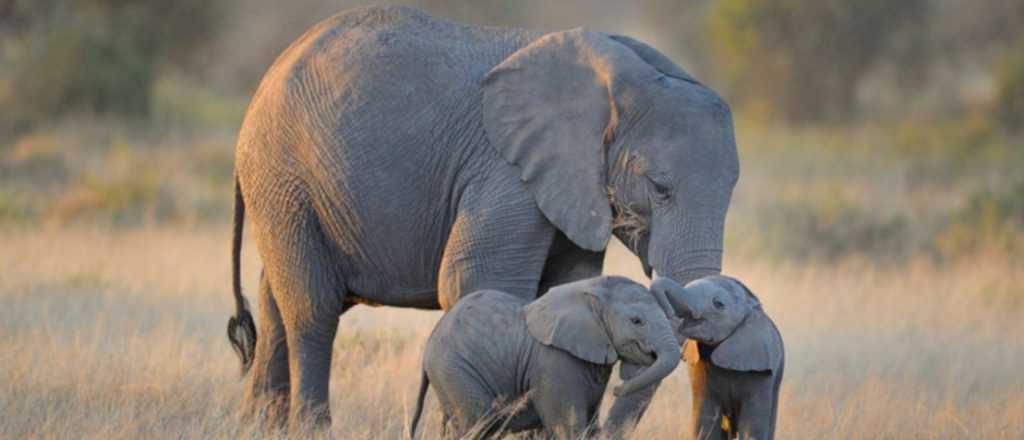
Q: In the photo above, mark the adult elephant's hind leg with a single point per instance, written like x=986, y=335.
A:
x=309, y=292
x=266, y=398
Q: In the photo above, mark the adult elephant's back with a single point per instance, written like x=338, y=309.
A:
x=371, y=120
x=363, y=166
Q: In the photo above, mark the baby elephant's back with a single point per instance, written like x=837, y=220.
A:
x=484, y=335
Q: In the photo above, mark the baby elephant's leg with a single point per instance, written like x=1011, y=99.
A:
x=707, y=410
x=569, y=417
x=466, y=405
x=567, y=402
x=708, y=420
x=755, y=420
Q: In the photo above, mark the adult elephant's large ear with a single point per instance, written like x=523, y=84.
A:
x=549, y=109
x=567, y=318
x=755, y=346
x=654, y=58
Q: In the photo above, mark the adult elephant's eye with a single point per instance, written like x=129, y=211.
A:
x=662, y=186
x=717, y=303
x=636, y=321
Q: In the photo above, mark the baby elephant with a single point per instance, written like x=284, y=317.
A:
x=735, y=356
x=556, y=353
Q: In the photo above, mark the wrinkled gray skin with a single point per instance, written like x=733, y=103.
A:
x=558, y=351
x=393, y=158
x=735, y=355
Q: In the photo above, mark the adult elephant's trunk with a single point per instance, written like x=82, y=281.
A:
x=674, y=293
x=687, y=246
x=667, y=352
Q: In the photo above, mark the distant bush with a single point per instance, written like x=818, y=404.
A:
x=36, y=157
x=180, y=102
x=13, y=209
x=989, y=218
x=830, y=228
x=84, y=70
x=1009, y=108
x=957, y=137
x=99, y=56
x=803, y=58
x=132, y=199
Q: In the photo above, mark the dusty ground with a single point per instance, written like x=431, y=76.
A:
x=121, y=335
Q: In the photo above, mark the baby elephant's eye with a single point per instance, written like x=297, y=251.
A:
x=636, y=321
x=717, y=303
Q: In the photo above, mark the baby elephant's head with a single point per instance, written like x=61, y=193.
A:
x=720, y=312
x=713, y=307
x=604, y=319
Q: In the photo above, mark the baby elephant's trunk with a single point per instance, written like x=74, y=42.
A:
x=667, y=350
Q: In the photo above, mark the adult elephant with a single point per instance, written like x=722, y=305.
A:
x=393, y=158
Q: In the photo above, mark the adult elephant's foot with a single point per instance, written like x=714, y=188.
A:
x=310, y=420
x=309, y=349
x=267, y=413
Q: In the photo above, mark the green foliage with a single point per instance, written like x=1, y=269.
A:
x=83, y=70
x=961, y=138
x=830, y=228
x=180, y=102
x=1009, y=108
x=803, y=58
x=13, y=209
x=96, y=170
x=131, y=199
x=95, y=56
x=989, y=219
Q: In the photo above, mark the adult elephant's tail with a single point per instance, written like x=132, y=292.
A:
x=241, y=329
x=424, y=384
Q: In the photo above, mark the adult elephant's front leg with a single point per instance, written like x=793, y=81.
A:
x=498, y=241
x=567, y=263
x=627, y=410
x=757, y=416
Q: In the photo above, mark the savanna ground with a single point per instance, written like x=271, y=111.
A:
x=894, y=274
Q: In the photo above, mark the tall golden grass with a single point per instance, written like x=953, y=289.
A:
x=120, y=334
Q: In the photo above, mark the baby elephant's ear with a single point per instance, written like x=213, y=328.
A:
x=567, y=318
x=755, y=346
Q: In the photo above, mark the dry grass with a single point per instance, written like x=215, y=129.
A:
x=121, y=335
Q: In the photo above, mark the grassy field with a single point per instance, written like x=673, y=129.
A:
x=879, y=214
x=900, y=305
x=120, y=334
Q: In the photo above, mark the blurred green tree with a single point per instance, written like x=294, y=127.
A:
x=1009, y=106
x=97, y=56
x=803, y=58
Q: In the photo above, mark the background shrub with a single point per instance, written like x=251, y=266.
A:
x=830, y=228
x=1010, y=90
x=96, y=56
x=989, y=220
x=804, y=59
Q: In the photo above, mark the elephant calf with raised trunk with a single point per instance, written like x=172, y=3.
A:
x=735, y=355
x=556, y=352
